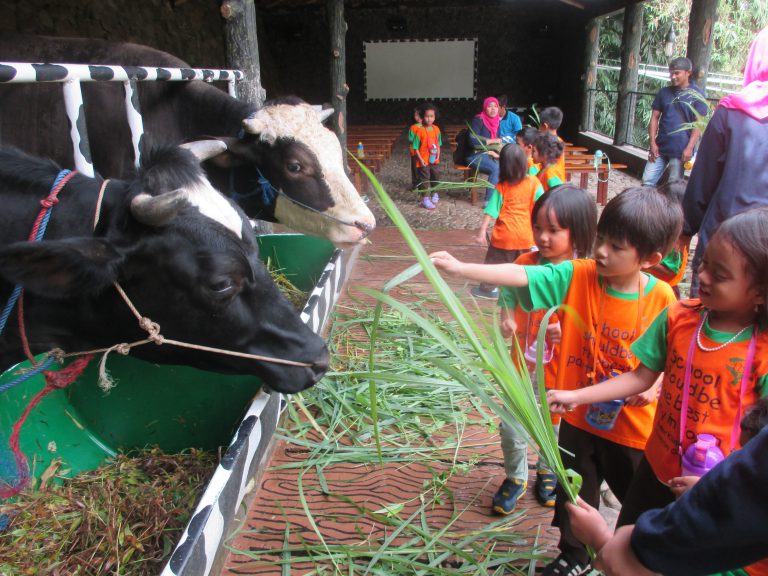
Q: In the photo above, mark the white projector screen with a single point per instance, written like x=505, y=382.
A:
x=419, y=69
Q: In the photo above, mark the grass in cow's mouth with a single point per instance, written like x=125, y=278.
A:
x=122, y=518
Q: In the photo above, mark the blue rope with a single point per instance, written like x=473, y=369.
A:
x=44, y=365
x=9, y=306
x=19, y=287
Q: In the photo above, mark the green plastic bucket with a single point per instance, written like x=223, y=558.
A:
x=173, y=407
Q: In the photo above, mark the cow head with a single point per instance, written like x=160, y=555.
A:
x=187, y=258
x=301, y=174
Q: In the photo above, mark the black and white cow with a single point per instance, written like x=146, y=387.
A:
x=185, y=255
x=286, y=140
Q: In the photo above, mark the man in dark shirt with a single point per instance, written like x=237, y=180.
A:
x=670, y=144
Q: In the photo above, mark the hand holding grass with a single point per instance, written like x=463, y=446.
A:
x=588, y=524
x=560, y=401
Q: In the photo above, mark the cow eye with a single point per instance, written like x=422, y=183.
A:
x=293, y=167
x=222, y=287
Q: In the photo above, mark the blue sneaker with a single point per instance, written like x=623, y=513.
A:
x=435, y=198
x=427, y=203
x=546, y=482
x=506, y=497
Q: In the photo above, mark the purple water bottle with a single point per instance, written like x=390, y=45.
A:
x=701, y=456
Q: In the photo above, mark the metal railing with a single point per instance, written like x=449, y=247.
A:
x=602, y=105
x=71, y=75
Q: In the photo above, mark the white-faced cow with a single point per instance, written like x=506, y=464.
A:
x=185, y=255
x=284, y=142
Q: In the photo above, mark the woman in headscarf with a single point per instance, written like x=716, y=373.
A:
x=730, y=174
x=484, y=141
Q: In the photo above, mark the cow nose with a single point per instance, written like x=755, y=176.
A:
x=365, y=228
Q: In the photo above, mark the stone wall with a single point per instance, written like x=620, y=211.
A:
x=530, y=50
x=190, y=29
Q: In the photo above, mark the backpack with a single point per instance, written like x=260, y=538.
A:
x=462, y=147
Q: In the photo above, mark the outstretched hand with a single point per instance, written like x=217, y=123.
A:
x=561, y=401
x=446, y=262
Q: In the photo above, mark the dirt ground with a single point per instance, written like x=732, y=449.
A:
x=454, y=210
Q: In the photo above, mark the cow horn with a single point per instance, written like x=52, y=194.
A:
x=157, y=210
x=205, y=149
x=325, y=114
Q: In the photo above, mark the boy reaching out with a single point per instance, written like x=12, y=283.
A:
x=609, y=300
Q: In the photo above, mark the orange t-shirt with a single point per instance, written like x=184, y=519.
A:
x=513, y=230
x=528, y=324
x=677, y=278
x=551, y=171
x=714, y=392
x=560, y=164
x=428, y=141
x=758, y=568
x=533, y=167
x=683, y=265
x=621, y=321
x=412, y=136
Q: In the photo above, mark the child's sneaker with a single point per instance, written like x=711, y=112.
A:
x=427, y=203
x=435, y=198
x=546, y=482
x=565, y=565
x=507, y=495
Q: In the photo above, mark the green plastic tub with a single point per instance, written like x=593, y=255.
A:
x=173, y=407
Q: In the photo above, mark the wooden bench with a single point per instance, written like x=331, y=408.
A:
x=584, y=169
x=469, y=173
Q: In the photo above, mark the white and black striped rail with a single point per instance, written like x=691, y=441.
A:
x=72, y=75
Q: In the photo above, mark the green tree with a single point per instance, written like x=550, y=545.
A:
x=737, y=23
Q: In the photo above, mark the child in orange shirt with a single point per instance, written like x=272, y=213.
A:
x=613, y=300
x=411, y=135
x=510, y=206
x=526, y=138
x=714, y=356
x=547, y=150
x=550, y=120
x=427, y=141
x=564, y=222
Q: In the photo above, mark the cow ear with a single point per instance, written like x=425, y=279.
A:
x=237, y=153
x=60, y=268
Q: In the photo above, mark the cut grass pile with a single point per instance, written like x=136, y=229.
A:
x=123, y=518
